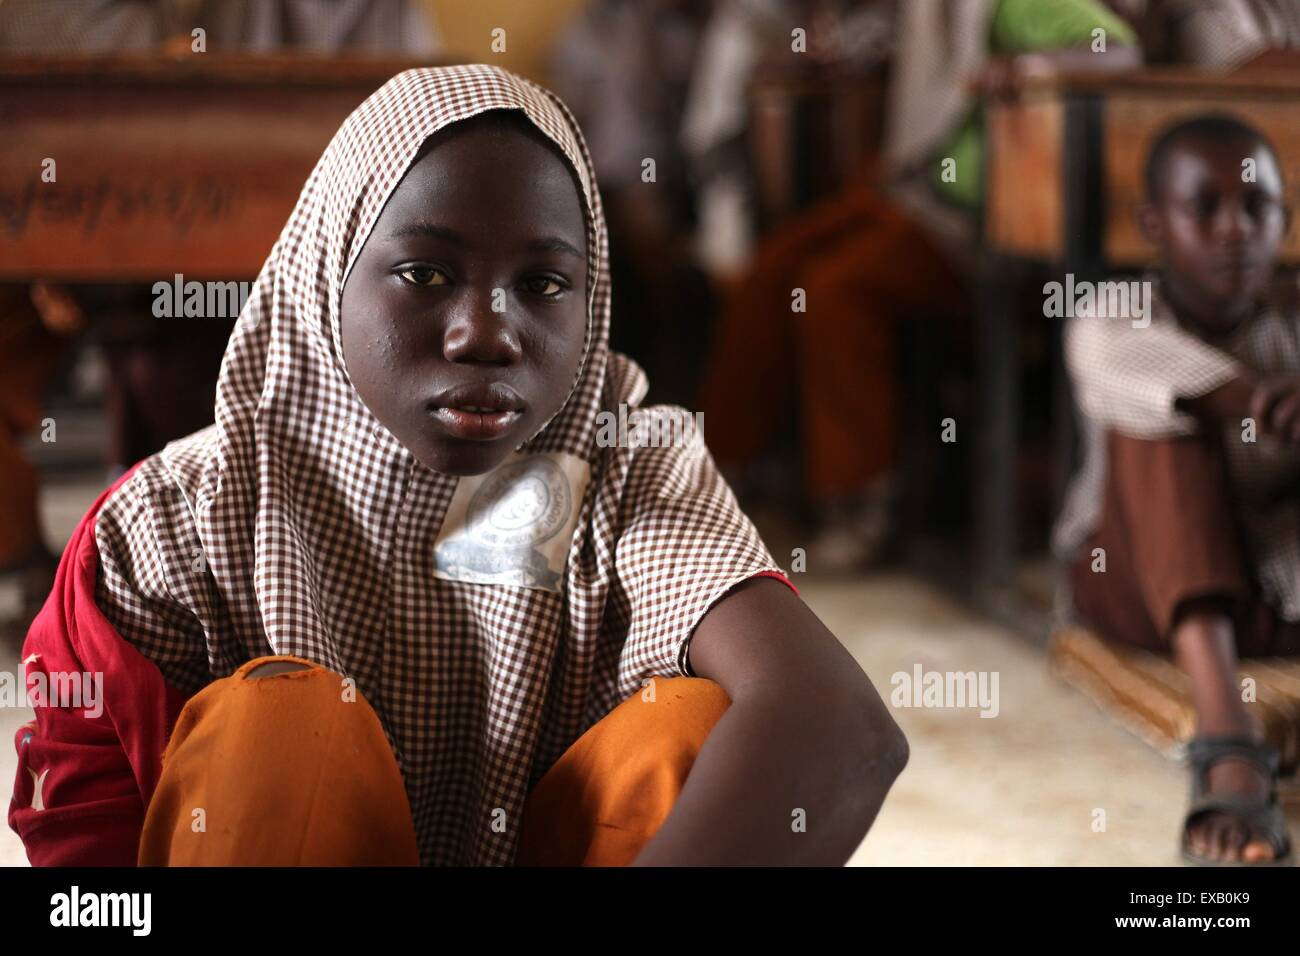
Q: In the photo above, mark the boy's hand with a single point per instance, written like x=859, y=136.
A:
x=1275, y=406
x=1273, y=403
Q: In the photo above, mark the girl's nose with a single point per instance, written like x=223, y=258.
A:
x=476, y=334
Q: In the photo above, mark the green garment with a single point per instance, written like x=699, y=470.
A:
x=1022, y=26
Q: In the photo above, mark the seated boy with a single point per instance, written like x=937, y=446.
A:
x=1188, y=498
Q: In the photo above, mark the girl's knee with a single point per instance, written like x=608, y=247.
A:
x=271, y=668
x=273, y=665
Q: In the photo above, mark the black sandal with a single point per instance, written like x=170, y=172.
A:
x=1261, y=816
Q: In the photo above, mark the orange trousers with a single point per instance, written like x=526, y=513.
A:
x=286, y=770
x=864, y=267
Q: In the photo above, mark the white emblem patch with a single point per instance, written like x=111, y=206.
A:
x=513, y=526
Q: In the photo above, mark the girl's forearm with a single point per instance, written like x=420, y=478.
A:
x=784, y=778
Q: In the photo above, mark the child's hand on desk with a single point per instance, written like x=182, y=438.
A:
x=1275, y=406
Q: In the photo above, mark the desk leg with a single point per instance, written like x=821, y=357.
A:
x=1084, y=173
x=996, y=494
x=1064, y=426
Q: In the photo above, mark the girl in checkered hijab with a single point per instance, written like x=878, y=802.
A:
x=429, y=483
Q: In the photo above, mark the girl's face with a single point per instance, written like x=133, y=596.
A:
x=464, y=316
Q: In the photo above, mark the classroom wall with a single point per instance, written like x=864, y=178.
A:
x=531, y=25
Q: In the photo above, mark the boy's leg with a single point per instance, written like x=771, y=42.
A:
x=847, y=344
x=280, y=764
x=613, y=788
x=751, y=368
x=1176, y=580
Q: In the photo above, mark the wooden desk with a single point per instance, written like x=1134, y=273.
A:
x=164, y=165
x=1066, y=134
x=1063, y=181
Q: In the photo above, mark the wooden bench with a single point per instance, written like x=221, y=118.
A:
x=1150, y=696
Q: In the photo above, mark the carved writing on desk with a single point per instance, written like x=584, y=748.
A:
x=106, y=204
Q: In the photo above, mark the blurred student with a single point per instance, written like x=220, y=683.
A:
x=738, y=44
x=1183, y=526
x=896, y=244
x=623, y=67
x=1225, y=34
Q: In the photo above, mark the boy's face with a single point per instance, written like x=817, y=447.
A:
x=464, y=316
x=1218, y=232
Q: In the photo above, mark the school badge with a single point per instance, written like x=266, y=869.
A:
x=513, y=525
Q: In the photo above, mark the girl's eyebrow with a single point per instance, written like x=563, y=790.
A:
x=434, y=231
x=429, y=230
x=554, y=244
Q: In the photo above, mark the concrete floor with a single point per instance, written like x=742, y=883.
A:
x=1021, y=788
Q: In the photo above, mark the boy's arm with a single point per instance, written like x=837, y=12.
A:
x=806, y=737
x=1273, y=403
x=1139, y=379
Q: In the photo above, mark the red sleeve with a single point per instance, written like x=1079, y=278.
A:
x=86, y=773
x=780, y=577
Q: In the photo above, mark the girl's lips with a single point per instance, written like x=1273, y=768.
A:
x=476, y=426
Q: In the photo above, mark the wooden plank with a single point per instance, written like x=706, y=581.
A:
x=224, y=69
x=163, y=166
x=1268, y=76
x=1024, y=208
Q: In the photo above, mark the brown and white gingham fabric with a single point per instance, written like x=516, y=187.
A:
x=297, y=524
x=1128, y=378
x=1224, y=34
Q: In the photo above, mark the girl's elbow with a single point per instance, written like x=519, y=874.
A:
x=894, y=751
x=881, y=746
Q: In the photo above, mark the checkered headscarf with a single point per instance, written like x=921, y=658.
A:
x=298, y=525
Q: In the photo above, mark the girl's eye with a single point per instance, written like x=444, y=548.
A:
x=544, y=286
x=423, y=275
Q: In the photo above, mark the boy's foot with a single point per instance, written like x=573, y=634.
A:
x=1244, y=784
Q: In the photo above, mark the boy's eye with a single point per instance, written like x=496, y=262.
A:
x=547, y=286
x=1259, y=204
x=423, y=275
